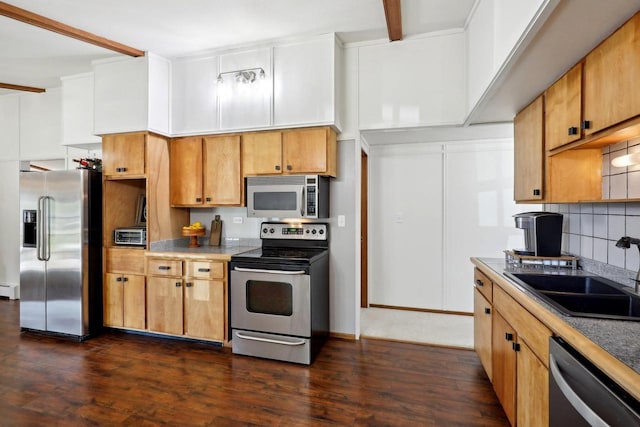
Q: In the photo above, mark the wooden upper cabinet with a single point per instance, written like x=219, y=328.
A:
x=223, y=184
x=186, y=171
x=563, y=105
x=123, y=155
x=309, y=151
x=611, y=75
x=262, y=153
x=529, y=160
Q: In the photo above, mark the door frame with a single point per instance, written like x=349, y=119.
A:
x=364, y=229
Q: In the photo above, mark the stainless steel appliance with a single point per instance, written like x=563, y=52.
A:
x=61, y=252
x=290, y=196
x=542, y=233
x=135, y=236
x=280, y=294
x=582, y=395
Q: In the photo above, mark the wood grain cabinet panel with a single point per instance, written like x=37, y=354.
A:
x=563, y=109
x=124, y=301
x=262, y=153
x=165, y=302
x=529, y=157
x=309, y=151
x=186, y=171
x=482, y=324
x=611, y=75
x=123, y=155
x=504, y=365
x=204, y=314
x=223, y=185
x=533, y=389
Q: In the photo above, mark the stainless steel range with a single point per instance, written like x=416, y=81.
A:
x=280, y=293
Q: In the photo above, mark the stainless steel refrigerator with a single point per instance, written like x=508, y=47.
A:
x=61, y=252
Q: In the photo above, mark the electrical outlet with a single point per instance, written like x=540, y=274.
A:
x=238, y=220
x=341, y=221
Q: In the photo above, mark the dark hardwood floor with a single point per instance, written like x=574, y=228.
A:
x=125, y=379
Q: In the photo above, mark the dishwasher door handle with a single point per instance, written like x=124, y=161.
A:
x=583, y=409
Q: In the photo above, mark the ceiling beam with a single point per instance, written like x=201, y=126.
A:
x=393, y=15
x=31, y=18
x=22, y=88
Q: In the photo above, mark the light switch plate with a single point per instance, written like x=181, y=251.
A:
x=341, y=221
x=238, y=220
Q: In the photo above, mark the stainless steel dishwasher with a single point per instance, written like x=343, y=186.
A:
x=582, y=395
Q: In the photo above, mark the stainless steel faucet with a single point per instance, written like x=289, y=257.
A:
x=625, y=243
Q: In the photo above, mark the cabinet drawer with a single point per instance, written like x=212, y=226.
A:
x=205, y=269
x=164, y=267
x=483, y=284
x=526, y=325
x=124, y=260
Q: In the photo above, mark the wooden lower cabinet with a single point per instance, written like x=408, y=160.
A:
x=504, y=365
x=124, y=301
x=533, y=389
x=192, y=304
x=483, y=314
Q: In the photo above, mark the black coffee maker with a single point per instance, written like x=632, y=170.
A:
x=542, y=233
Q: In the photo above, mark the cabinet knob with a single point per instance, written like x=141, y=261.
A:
x=178, y=284
x=207, y=199
x=573, y=130
x=188, y=284
x=198, y=199
x=487, y=310
x=125, y=279
x=119, y=279
x=536, y=191
x=479, y=282
x=289, y=167
x=277, y=167
x=585, y=124
x=515, y=346
x=508, y=336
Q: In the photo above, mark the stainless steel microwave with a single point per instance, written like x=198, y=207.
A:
x=289, y=196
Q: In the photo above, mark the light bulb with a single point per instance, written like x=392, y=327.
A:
x=626, y=160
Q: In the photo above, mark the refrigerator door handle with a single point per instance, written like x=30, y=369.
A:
x=42, y=239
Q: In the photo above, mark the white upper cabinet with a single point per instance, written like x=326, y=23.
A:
x=10, y=125
x=131, y=94
x=41, y=125
x=419, y=82
x=194, y=103
x=77, y=110
x=245, y=105
x=304, y=82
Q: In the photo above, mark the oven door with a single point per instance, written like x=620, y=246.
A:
x=275, y=301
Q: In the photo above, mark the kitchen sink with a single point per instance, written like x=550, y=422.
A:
x=582, y=296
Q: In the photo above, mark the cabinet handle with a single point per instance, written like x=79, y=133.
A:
x=479, y=282
x=277, y=167
x=289, y=167
x=208, y=199
x=178, y=285
x=121, y=169
x=188, y=284
x=119, y=279
x=487, y=310
x=164, y=267
x=573, y=130
x=585, y=124
x=198, y=199
x=515, y=346
x=508, y=336
x=204, y=270
x=125, y=279
x=536, y=191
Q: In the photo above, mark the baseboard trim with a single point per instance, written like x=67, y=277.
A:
x=424, y=310
x=350, y=337
x=455, y=347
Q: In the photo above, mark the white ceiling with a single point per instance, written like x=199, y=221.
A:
x=31, y=56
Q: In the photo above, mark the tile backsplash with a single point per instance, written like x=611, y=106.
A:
x=620, y=182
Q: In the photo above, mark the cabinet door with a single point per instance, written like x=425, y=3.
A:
x=113, y=299
x=134, y=301
x=164, y=305
x=123, y=154
x=204, y=309
x=611, y=73
x=533, y=389
x=186, y=171
x=482, y=331
x=504, y=365
x=262, y=153
x=529, y=153
x=309, y=151
x=194, y=92
x=563, y=104
x=77, y=110
x=40, y=125
x=222, y=176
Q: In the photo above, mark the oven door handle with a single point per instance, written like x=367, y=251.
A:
x=269, y=340
x=259, y=270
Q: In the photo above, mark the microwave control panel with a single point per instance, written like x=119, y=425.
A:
x=291, y=231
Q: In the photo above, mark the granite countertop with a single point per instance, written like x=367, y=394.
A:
x=180, y=248
x=620, y=338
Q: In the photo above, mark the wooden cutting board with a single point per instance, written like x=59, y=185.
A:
x=216, y=231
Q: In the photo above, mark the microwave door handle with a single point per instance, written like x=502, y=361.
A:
x=259, y=270
x=302, y=203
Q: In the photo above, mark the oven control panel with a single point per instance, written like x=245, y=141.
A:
x=304, y=231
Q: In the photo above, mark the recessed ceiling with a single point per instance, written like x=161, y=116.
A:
x=31, y=56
